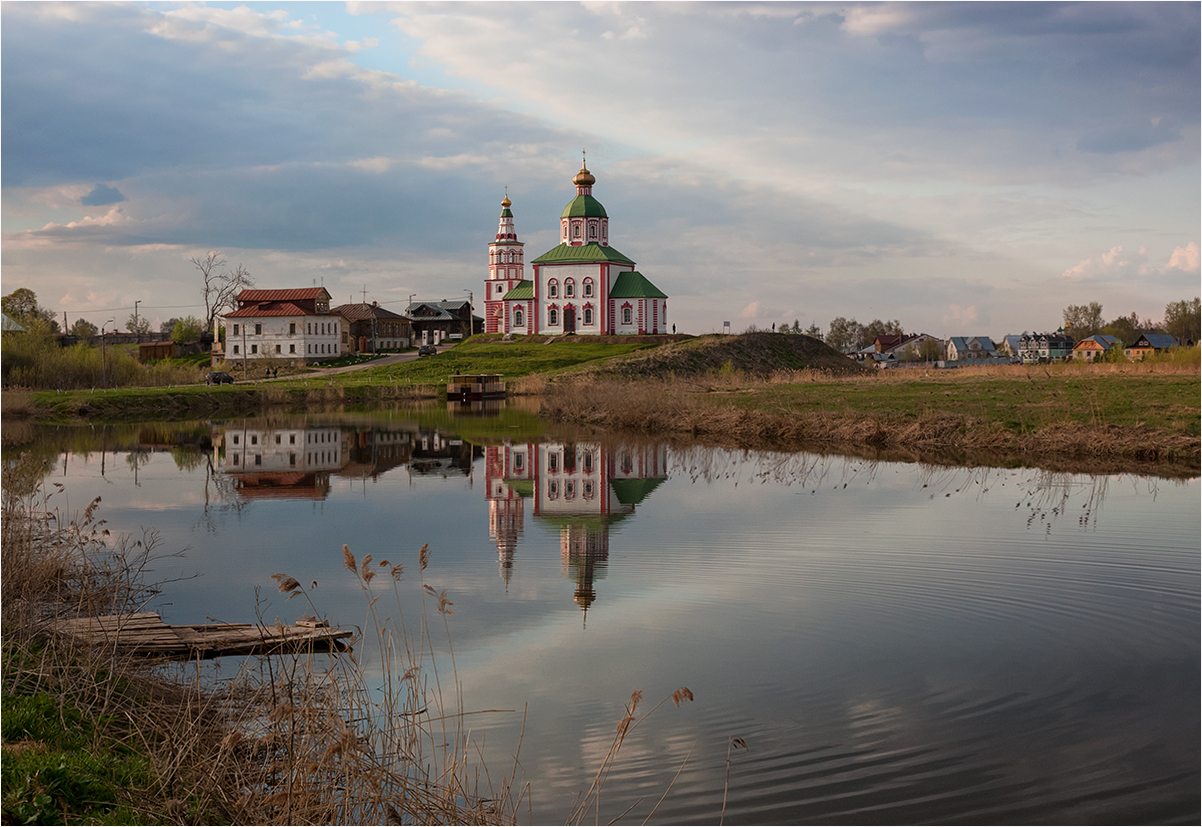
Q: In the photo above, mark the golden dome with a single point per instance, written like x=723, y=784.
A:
x=506, y=203
x=584, y=178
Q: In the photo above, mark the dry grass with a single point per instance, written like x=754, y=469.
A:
x=16, y=403
x=298, y=739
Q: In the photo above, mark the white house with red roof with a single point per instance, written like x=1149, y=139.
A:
x=293, y=324
x=581, y=286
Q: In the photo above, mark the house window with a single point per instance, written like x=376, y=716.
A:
x=278, y=438
x=254, y=349
x=588, y=315
x=235, y=439
x=291, y=439
x=235, y=330
x=235, y=459
x=518, y=317
x=553, y=316
x=553, y=289
x=292, y=348
x=258, y=459
x=235, y=350
x=277, y=348
x=254, y=440
x=258, y=330
x=292, y=328
x=588, y=288
x=569, y=288
x=625, y=315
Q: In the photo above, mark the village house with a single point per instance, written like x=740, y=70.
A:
x=1094, y=348
x=1042, y=348
x=373, y=328
x=434, y=322
x=970, y=348
x=292, y=324
x=582, y=286
x=1148, y=343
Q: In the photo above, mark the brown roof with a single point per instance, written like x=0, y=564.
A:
x=285, y=295
x=271, y=309
x=359, y=310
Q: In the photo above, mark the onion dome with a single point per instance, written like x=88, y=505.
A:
x=584, y=178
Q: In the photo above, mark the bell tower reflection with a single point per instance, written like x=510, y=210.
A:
x=582, y=488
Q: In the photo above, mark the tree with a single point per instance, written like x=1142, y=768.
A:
x=1128, y=328
x=187, y=329
x=1082, y=320
x=931, y=350
x=139, y=325
x=844, y=334
x=814, y=331
x=83, y=330
x=878, y=328
x=168, y=326
x=22, y=306
x=1182, y=320
x=220, y=284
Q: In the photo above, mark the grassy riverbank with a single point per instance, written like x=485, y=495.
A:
x=755, y=389
x=92, y=735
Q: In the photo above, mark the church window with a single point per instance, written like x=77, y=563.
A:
x=518, y=317
x=592, y=230
x=553, y=316
x=569, y=288
x=569, y=490
x=512, y=257
x=576, y=231
x=553, y=289
x=588, y=288
x=625, y=315
x=553, y=461
x=588, y=315
x=553, y=490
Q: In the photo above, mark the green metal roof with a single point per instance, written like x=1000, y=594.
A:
x=634, y=285
x=583, y=253
x=584, y=206
x=524, y=290
x=634, y=491
x=505, y=213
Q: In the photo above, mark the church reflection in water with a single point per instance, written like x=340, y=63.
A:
x=581, y=488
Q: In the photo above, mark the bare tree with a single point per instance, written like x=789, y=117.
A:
x=221, y=285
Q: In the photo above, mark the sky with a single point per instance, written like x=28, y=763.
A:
x=965, y=169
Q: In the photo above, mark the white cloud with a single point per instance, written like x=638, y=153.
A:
x=1186, y=258
x=751, y=311
x=958, y=317
x=1119, y=264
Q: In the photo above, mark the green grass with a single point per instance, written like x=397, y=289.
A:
x=489, y=354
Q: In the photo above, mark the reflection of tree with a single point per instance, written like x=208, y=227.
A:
x=136, y=460
x=188, y=457
x=221, y=498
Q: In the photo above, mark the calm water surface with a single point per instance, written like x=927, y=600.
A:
x=894, y=643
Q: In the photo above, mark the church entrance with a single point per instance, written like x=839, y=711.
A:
x=569, y=319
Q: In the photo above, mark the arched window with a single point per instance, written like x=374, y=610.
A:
x=553, y=289
x=518, y=317
x=576, y=231
x=592, y=230
x=552, y=316
x=588, y=315
x=513, y=257
x=625, y=315
x=569, y=288
x=588, y=288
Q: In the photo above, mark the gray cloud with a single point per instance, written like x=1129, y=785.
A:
x=102, y=195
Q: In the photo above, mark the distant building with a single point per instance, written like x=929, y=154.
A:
x=1093, y=348
x=970, y=348
x=434, y=322
x=1148, y=343
x=374, y=329
x=582, y=286
x=1042, y=348
x=294, y=324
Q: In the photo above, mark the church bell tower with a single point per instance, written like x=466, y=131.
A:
x=506, y=269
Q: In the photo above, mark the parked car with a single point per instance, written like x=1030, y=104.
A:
x=218, y=377
x=427, y=350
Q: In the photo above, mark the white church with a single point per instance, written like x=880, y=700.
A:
x=582, y=286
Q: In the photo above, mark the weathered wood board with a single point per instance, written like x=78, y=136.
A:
x=146, y=633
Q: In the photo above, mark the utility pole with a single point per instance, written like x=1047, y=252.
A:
x=104, y=368
x=137, y=327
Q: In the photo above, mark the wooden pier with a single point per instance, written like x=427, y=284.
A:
x=472, y=386
x=145, y=633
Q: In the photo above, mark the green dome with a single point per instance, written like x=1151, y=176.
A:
x=584, y=206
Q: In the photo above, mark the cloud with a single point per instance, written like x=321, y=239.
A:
x=1119, y=264
x=1186, y=258
x=958, y=317
x=101, y=196
x=751, y=311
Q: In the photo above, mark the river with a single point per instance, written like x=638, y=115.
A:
x=891, y=643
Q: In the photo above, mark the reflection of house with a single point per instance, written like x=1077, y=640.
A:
x=372, y=451
x=373, y=328
x=583, y=488
x=281, y=462
x=436, y=454
x=1094, y=348
x=1149, y=343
